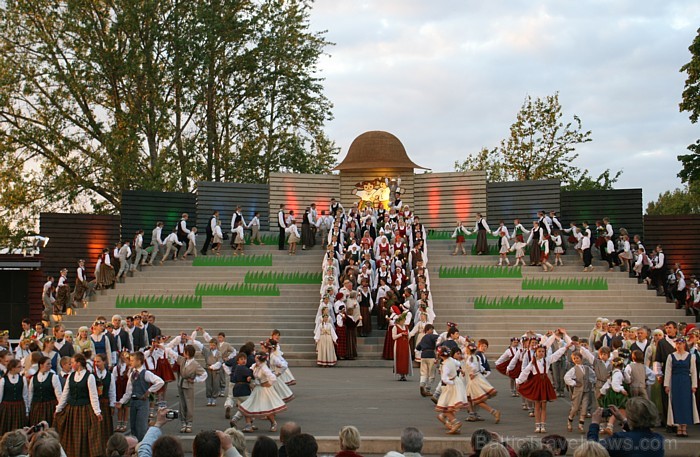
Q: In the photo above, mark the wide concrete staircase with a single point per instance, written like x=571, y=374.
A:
x=241, y=318
x=293, y=312
x=454, y=299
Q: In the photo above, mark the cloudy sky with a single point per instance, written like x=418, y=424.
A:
x=448, y=76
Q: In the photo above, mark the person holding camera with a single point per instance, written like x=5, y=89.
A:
x=637, y=438
x=140, y=385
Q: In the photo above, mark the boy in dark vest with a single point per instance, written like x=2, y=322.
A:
x=140, y=385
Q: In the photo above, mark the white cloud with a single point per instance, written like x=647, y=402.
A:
x=448, y=77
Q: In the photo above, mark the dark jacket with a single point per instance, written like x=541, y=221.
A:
x=427, y=346
x=139, y=337
x=640, y=442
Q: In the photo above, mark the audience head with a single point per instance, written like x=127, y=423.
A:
x=349, y=438
x=168, y=446
x=46, y=447
x=206, y=444
x=264, y=447
x=641, y=413
x=289, y=430
x=117, y=446
x=480, y=438
x=302, y=445
x=556, y=443
x=238, y=440
x=529, y=446
x=590, y=449
x=14, y=443
x=494, y=449
x=451, y=452
x=411, y=440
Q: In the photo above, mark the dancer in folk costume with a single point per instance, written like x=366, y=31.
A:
x=107, y=393
x=104, y=271
x=536, y=235
x=479, y=390
x=341, y=348
x=453, y=395
x=534, y=384
x=325, y=338
x=502, y=363
x=78, y=419
x=427, y=347
x=366, y=306
x=402, y=351
x=62, y=294
x=294, y=236
x=503, y=249
x=14, y=400
x=264, y=400
x=120, y=374
x=519, y=248
x=190, y=372
x=81, y=286
x=482, y=229
x=44, y=391
x=460, y=233
x=681, y=383
x=286, y=377
x=614, y=392
x=558, y=247
x=277, y=365
x=417, y=333
x=351, y=322
x=545, y=245
x=388, y=351
x=581, y=379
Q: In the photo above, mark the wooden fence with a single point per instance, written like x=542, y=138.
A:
x=142, y=209
x=521, y=200
x=678, y=236
x=444, y=198
x=297, y=191
x=622, y=206
x=224, y=197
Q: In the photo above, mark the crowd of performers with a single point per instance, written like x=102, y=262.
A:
x=374, y=265
x=113, y=376
x=614, y=363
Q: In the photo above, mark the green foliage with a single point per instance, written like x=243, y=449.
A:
x=153, y=301
x=478, y=272
x=446, y=235
x=690, y=171
x=237, y=290
x=264, y=260
x=585, y=181
x=518, y=303
x=271, y=277
x=100, y=97
x=677, y=202
x=540, y=146
x=565, y=284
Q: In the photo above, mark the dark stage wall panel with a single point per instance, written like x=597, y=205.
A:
x=225, y=196
x=298, y=190
x=74, y=237
x=21, y=296
x=443, y=198
x=622, y=206
x=678, y=236
x=142, y=209
x=521, y=200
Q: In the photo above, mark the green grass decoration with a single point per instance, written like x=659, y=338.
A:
x=271, y=277
x=159, y=301
x=445, y=235
x=267, y=239
x=237, y=290
x=508, y=303
x=479, y=271
x=565, y=284
x=264, y=260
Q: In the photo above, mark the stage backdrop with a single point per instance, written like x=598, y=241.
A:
x=443, y=198
x=74, y=237
x=297, y=191
x=521, y=200
x=622, y=206
x=21, y=281
x=225, y=196
x=678, y=237
x=142, y=209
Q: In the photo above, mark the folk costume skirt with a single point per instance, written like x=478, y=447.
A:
x=453, y=397
x=479, y=389
x=288, y=378
x=80, y=431
x=283, y=391
x=325, y=352
x=13, y=415
x=482, y=244
x=538, y=388
x=262, y=402
x=42, y=411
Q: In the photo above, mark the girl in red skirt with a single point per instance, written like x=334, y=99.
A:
x=503, y=361
x=534, y=384
x=158, y=363
x=402, y=350
x=13, y=399
x=460, y=234
x=44, y=392
x=544, y=258
x=120, y=374
x=107, y=393
x=388, y=351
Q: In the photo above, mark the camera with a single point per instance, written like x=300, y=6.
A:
x=37, y=428
x=172, y=414
x=607, y=413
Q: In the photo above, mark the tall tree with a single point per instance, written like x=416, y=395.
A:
x=540, y=146
x=691, y=103
x=677, y=202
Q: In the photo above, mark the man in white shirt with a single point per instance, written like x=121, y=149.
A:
x=191, y=243
x=141, y=383
x=170, y=245
x=211, y=227
x=156, y=241
x=124, y=256
x=141, y=253
x=586, y=248
x=182, y=232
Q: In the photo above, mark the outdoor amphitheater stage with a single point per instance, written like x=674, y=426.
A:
x=380, y=407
